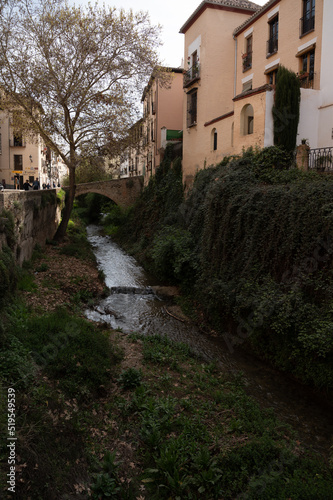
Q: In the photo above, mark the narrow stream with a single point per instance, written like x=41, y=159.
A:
x=134, y=307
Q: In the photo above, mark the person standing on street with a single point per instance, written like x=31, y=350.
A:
x=27, y=186
x=36, y=184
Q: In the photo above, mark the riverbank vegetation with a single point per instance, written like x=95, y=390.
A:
x=101, y=414
x=8, y=270
x=251, y=246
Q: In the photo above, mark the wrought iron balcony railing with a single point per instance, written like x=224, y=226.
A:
x=192, y=75
x=272, y=45
x=247, y=61
x=321, y=159
x=307, y=23
x=307, y=80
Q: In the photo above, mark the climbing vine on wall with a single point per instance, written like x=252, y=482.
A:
x=264, y=238
x=8, y=270
x=253, y=245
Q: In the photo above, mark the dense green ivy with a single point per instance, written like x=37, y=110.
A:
x=252, y=244
x=8, y=268
x=8, y=274
x=265, y=252
x=7, y=227
x=157, y=208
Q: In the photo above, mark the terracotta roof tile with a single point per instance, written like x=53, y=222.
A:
x=264, y=7
x=240, y=4
x=251, y=92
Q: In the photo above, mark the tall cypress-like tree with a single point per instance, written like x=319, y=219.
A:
x=286, y=109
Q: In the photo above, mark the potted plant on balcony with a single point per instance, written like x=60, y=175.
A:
x=302, y=75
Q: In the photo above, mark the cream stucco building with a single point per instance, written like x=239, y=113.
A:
x=26, y=158
x=162, y=122
x=162, y=116
x=234, y=49
x=20, y=158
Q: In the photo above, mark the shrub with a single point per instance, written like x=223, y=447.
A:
x=272, y=158
x=69, y=349
x=8, y=227
x=8, y=274
x=107, y=483
x=172, y=254
x=17, y=368
x=26, y=281
x=130, y=378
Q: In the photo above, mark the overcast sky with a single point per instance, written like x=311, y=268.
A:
x=171, y=15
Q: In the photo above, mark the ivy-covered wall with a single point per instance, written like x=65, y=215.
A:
x=8, y=270
x=264, y=245
x=252, y=246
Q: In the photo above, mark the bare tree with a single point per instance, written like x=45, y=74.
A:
x=75, y=72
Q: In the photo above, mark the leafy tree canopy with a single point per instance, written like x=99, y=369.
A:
x=75, y=72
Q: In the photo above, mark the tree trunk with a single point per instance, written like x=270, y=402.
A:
x=69, y=201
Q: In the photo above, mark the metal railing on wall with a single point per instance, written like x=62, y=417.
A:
x=321, y=159
x=307, y=23
x=192, y=75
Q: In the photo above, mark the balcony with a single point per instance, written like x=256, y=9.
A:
x=192, y=75
x=307, y=24
x=307, y=80
x=247, y=61
x=272, y=45
x=321, y=159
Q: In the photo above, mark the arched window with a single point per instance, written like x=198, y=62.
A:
x=214, y=139
x=247, y=120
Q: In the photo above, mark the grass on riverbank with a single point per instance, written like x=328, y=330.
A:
x=100, y=414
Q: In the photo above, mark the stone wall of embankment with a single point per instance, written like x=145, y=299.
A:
x=35, y=215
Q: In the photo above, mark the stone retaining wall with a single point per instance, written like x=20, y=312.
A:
x=36, y=218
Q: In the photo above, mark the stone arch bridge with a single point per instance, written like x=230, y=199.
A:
x=123, y=192
x=37, y=213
